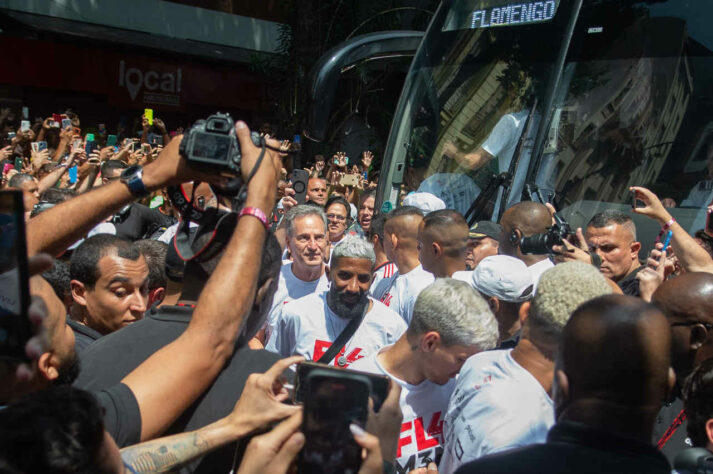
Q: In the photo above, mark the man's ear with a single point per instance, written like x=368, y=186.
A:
x=394, y=240
x=263, y=290
x=494, y=304
x=635, y=247
x=46, y=366
x=523, y=312
x=437, y=249
x=78, y=292
x=430, y=341
x=670, y=382
x=560, y=387
x=709, y=432
x=699, y=335
x=157, y=295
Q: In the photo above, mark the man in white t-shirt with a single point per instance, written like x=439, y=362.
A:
x=385, y=271
x=308, y=326
x=525, y=219
x=442, y=240
x=307, y=241
x=501, y=399
x=450, y=323
x=401, y=247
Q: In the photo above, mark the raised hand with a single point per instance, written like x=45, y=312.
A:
x=366, y=159
x=160, y=125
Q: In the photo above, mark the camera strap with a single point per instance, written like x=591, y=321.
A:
x=343, y=337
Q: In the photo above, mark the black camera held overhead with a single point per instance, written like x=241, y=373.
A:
x=540, y=244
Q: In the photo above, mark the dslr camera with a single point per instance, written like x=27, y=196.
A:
x=212, y=145
x=540, y=244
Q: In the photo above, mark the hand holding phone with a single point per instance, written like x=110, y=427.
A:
x=25, y=126
x=14, y=292
x=300, y=179
x=148, y=113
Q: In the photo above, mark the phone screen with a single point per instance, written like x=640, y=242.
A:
x=149, y=115
x=332, y=403
x=111, y=140
x=15, y=328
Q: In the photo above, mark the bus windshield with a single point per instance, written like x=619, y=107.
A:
x=501, y=101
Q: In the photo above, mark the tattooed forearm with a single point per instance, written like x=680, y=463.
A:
x=164, y=454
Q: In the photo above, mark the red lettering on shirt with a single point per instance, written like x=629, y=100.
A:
x=425, y=439
x=386, y=299
x=320, y=347
x=404, y=440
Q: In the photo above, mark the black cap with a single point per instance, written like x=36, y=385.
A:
x=485, y=229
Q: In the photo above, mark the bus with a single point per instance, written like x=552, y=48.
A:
x=562, y=101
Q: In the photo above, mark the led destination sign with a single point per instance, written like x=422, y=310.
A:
x=514, y=14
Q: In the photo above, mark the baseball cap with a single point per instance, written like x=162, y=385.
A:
x=426, y=202
x=503, y=277
x=485, y=229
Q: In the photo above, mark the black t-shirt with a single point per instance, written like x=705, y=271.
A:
x=113, y=357
x=139, y=221
x=84, y=336
x=630, y=284
x=670, y=432
x=575, y=448
x=122, y=418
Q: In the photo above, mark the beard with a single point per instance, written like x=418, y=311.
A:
x=343, y=309
x=68, y=371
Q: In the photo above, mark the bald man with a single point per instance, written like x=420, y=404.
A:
x=687, y=301
x=523, y=220
x=442, y=243
x=612, y=367
x=401, y=247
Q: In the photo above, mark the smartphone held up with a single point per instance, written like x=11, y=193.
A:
x=15, y=327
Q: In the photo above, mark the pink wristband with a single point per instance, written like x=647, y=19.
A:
x=669, y=223
x=255, y=212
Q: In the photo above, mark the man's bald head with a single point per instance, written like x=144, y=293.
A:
x=615, y=349
x=524, y=219
x=403, y=222
x=687, y=301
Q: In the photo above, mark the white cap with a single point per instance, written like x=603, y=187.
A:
x=353, y=212
x=503, y=277
x=426, y=202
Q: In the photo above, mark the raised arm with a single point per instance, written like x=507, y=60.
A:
x=691, y=256
x=172, y=378
x=56, y=229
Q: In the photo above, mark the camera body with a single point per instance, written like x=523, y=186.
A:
x=541, y=244
x=212, y=145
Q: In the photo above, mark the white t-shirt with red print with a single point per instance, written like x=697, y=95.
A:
x=424, y=408
x=307, y=327
x=384, y=277
x=402, y=295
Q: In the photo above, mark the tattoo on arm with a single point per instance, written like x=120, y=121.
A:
x=164, y=454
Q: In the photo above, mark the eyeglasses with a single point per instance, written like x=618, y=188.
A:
x=693, y=323
x=336, y=217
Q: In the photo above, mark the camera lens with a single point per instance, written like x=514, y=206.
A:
x=299, y=187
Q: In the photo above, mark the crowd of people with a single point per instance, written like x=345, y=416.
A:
x=167, y=330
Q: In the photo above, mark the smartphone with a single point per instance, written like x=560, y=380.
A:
x=77, y=131
x=333, y=401
x=155, y=139
x=634, y=201
x=72, y=172
x=10, y=136
x=66, y=123
x=15, y=327
x=349, y=180
x=709, y=223
x=379, y=383
x=26, y=113
x=299, y=184
x=148, y=113
x=76, y=142
x=18, y=163
x=669, y=234
x=111, y=140
x=35, y=146
x=56, y=120
x=42, y=145
x=25, y=126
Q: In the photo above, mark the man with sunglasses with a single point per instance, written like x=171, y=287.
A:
x=687, y=301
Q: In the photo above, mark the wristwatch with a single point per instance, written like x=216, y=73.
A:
x=131, y=177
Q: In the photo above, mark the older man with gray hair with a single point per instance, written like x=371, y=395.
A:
x=308, y=243
x=451, y=322
x=344, y=314
x=501, y=399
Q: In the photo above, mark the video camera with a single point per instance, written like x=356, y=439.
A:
x=540, y=244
